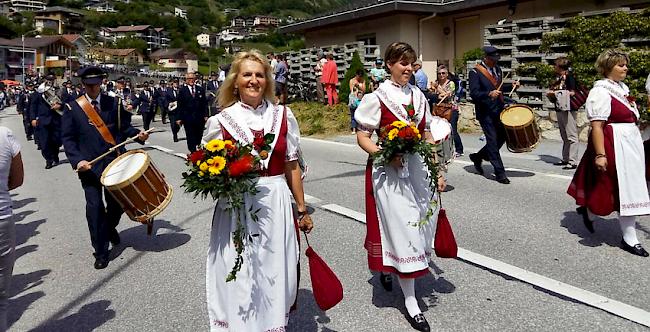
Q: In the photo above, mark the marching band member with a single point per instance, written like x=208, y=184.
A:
x=393, y=201
x=90, y=128
x=265, y=289
x=160, y=96
x=611, y=174
x=46, y=121
x=485, y=83
x=145, y=103
x=193, y=111
x=172, y=108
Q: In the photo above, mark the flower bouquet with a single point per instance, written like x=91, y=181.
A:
x=401, y=138
x=228, y=171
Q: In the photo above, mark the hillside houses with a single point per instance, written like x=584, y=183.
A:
x=244, y=27
x=156, y=38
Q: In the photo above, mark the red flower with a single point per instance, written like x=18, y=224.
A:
x=258, y=142
x=407, y=133
x=196, y=156
x=241, y=166
x=631, y=99
x=411, y=112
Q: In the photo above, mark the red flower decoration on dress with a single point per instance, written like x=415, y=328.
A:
x=258, y=142
x=631, y=99
x=241, y=166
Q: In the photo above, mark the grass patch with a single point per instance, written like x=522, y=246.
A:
x=321, y=120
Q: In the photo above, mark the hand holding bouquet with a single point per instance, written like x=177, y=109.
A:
x=228, y=170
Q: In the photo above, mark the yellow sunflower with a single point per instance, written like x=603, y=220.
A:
x=201, y=173
x=218, y=166
x=398, y=124
x=392, y=134
x=215, y=145
x=203, y=167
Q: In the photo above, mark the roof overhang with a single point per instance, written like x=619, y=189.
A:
x=388, y=7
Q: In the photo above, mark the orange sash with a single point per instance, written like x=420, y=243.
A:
x=487, y=75
x=96, y=120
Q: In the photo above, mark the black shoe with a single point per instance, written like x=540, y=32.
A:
x=420, y=323
x=101, y=263
x=589, y=224
x=477, y=162
x=570, y=166
x=637, y=249
x=48, y=165
x=29, y=138
x=114, y=238
x=175, y=139
x=503, y=180
x=561, y=163
x=386, y=281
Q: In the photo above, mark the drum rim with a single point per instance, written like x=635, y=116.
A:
x=138, y=173
x=158, y=209
x=520, y=125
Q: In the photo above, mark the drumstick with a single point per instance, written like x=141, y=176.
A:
x=111, y=150
x=504, y=78
x=511, y=91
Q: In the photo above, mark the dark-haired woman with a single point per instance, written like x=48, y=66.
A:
x=397, y=195
x=560, y=93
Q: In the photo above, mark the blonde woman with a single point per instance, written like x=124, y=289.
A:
x=611, y=174
x=265, y=289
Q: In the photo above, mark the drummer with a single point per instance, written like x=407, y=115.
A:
x=88, y=133
x=486, y=90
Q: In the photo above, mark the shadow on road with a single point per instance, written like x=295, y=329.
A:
x=20, y=203
x=165, y=236
x=88, y=318
x=488, y=170
x=21, y=283
x=307, y=315
x=607, y=231
x=338, y=176
x=549, y=159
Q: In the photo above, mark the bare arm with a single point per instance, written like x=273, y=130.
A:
x=598, y=139
x=16, y=172
x=364, y=141
x=294, y=180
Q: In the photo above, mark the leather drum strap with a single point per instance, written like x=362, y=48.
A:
x=96, y=120
x=487, y=75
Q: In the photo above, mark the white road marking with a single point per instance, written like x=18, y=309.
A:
x=614, y=307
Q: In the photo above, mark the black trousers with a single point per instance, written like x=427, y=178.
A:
x=49, y=138
x=173, y=117
x=29, y=130
x=163, y=114
x=495, y=137
x=193, y=134
x=102, y=218
x=147, y=117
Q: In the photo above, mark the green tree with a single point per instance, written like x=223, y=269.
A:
x=355, y=64
x=132, y=42
x=587, y=37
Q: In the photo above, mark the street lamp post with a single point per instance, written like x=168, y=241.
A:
x=22, y=39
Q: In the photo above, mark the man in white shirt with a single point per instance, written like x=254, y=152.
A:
x=274, y=63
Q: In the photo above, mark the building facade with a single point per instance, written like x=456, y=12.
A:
x=62, y=20
x=12, y=6
x=49, y=52
x=175, y=60
x=156, y=38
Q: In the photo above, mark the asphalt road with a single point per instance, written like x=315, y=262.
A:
x=157, y=283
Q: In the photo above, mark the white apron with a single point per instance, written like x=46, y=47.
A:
x=266, y=286
x=402, y=199
x=629, y=158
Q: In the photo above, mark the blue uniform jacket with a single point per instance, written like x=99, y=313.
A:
x=40, y=110
x=480, y=87
x=192, y=109
x=145, y=104
x=82, y=141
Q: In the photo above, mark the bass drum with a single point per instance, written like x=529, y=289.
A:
x=522, y=134
x=137, y=185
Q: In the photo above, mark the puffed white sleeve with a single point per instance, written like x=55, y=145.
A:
x=293, y=137
x=428, y=117
x=213, y=130
x=599, y=104
x=368, y=113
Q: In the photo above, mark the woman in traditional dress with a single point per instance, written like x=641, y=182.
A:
x=265, y=288
x=397, y=195
x=611, y=174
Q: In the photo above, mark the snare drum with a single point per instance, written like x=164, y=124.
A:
x=441, y=133
x=135, y=182
x=522, y=134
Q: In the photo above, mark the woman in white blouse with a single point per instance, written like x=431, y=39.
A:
x=266, y=286
x=11, y=177
x=397, y=195
x=611, y=174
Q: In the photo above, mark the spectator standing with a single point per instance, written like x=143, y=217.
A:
x=357, y=90
x=445, y=88
x=11, y=177
x=377, y=74
x=274, y=62
x=567, y=118
x=421, y=79
x=330, y=79
x=318, y=71
x=281, y=72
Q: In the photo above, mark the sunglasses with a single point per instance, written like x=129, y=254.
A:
x=442, y=73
